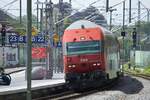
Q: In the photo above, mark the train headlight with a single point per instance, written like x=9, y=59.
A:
x=73, y=66
x=94, y=64
x=98, y=64
x=69, y=66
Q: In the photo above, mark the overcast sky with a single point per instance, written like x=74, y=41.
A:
x=13, y=8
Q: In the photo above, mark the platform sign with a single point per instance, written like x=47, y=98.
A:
x=59, y=44
x=34, y=31
x=40, y=39
x=13, y=38
x=33, y=39
x=39, y=53
x=23, y=39
x=55, y=38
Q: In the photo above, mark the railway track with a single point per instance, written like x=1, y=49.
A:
x=71, y=94
x=139, y=75
x=75, y=95
x=60, y=91
x=36, y=92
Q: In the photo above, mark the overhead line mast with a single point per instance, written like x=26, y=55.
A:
x=129, y=11
x=37, y=15
x=29, y=46
x=139, y=22
x=123, y=16
x=107, y=5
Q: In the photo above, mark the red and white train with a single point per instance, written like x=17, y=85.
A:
x=90, y=52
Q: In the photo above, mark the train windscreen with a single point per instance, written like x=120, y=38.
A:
x=83, y=47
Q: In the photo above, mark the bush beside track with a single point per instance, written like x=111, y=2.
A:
x=137, y=71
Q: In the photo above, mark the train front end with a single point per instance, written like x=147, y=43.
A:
x=83, y=52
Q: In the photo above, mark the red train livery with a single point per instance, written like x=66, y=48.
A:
x=90, y=52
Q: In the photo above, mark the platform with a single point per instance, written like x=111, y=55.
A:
x=19, y=84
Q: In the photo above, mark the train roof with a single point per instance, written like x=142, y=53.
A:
x=78, y=24
x=87, y=24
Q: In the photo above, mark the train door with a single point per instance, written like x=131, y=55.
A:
x=111, y=64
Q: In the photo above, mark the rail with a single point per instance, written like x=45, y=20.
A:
x=138, y=75
x=37, y=92
x=57, y=92
x=74, y=94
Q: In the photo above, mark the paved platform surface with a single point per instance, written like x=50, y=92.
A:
x=14, y=70
x=19, y=82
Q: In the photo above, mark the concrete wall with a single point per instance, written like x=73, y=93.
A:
x=8, y=56
x=142, y=58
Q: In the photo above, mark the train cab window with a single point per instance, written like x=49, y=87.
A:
x=83, y=47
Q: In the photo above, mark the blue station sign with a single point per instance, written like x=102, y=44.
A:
x=23, y=39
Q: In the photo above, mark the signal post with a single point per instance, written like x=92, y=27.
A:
x=134, y=38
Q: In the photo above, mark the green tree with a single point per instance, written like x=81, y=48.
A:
x=24, y=20
x=144, y=27
x=21, y=28
x=67, y=22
